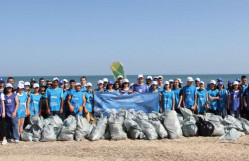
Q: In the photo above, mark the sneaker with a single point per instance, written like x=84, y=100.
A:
x=4, y=142
x=9, y=140
x=16, y=141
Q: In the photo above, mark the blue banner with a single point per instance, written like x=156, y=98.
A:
x=105, y=102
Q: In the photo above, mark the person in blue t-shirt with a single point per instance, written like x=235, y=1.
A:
x=117, y=86
x=100, y=86
x=155, y=90
x=222, y=102
x=246, y=103
x=160, y=86
x=109, y=87
x=189, y=95
x=75, y=101
x=244, y=84
x=34, y=105
x=140, y=86
x=167, y=98
x=178, y=95
x=202, y=99
x=21, y=112
x=83, y=82
x=88, y=103
x=213, y=96
x=126, y=87
x=54, y=99
x=235, y=105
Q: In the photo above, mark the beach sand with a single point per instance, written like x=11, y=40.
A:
x=194, y=148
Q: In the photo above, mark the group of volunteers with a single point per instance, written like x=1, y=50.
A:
x=64, y=98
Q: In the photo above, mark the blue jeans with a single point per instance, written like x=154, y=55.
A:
x=223, y=113
x=235, y=114
x=11, y=128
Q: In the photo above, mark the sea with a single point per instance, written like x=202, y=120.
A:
x=133, y=78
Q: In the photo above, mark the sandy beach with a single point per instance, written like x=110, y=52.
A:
x=194, y=148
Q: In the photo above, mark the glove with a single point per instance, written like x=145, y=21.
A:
x=28, y=112
x=85, y=110
x=81, y=108
x=130, y=92
x=71, y=108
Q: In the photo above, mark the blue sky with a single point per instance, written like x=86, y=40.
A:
x=63, y=37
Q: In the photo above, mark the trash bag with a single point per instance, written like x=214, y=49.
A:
x=36, y=131
x=205, y=128
x=83, y=128
x=189, y=127
x=154, y=120
x=216, y=120
x=48, y=133
x=99, y=130
x=133, y=129
x=107, y=135
x=68, y=129
x=147, y=128
x=230, y=122
x=56, y=121
x=26, y=136
x=180, y=118
x=245, y=125
x=115, y=123
x=172, y=124
x=186, y=112
x=232, y=134
x=36, y=120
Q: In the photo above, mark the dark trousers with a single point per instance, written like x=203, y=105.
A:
x=2, y=128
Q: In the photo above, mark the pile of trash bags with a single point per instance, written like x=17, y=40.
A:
x=135, y=125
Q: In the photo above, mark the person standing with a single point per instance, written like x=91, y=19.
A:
x=202, y=99
x=197, y=83
x=100, y=86
x=120, y=80
x=160, y=85
x=83, y=82
x=11, y=106
x=125, y=87
x=54, y=99
x=34, y=101
x=2, y=117
x=140, y=86
x=148, y=82
x=235, y=100
x=189, y=97
x=88, y=103
x=105, y=81
x=222, y=102
x=213, y=95
x=75, y=101
x=2, y=82
x=167, y=98
x=21, y=112
x=178, y=95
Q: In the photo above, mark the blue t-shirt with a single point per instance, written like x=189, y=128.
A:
x=167, y=99
x=222, y=102
x=54, y=98
x=83, y=89
x=34, y=105
x=160, y=89
x=246, y=94
x=235, y=100
x=89, y=101
x=243, y=88
x=177, y=96
x=21, y=111
x=213, y=105
x=189, y=96
x=77, y=101
x=140, y=88
x=201, y=100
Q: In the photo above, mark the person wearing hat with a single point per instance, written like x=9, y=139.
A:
x=100, y=86
x=11, y=80
x=110, y=87
x=202, y=99
x=75, y=101
x=160, y=86
x=155, y=78
x=120, y=80
x=222, y=102
x=33, y=106
x=11, y=106
x=43, y=107
x=49, y=84
x=213, y=95
x=83, y=82
x=65, y=85
x=2, y=117
x=167, y=98
x=244, y=84
x=27, y=88
x=171, y=83
x=148, y=82
x=88, y=103
x=197, y=83
x=189, y=97
x=140, y=86
x=154, y=89
x=54, y=99
x=117, y=86
x=61, y=84
x=234, y=102
x=230, y=86
x=32, y=82
x=178, y=95
x=2, y=82
x=21, y=112
x=105, y=82
x=125, y=87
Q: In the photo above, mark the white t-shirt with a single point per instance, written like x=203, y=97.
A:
x=2, y=97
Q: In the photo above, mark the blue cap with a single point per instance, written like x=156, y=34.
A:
x=61, y=82
x=238, y=80
x=220, y=83
x=110, y=82
x=1, y=80
x=230, y=82
x=220, y=79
